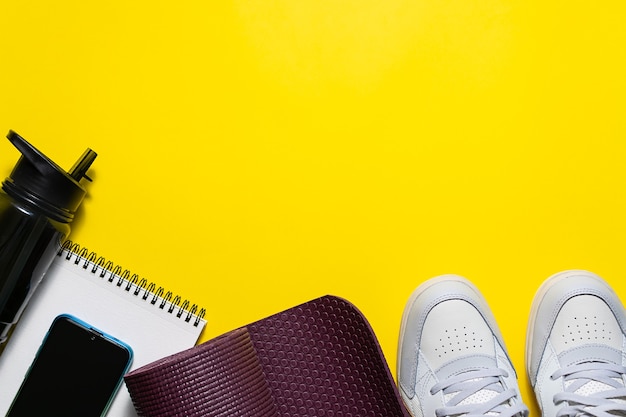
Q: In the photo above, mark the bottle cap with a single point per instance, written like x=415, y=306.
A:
x=37, y=180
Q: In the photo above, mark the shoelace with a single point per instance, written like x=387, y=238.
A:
x=470, y=383
x=606, y=403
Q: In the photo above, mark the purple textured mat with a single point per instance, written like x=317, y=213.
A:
x=320, y=359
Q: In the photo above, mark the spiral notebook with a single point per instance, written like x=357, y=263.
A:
x=153, y=321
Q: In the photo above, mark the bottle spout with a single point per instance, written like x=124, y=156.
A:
x=79, y=170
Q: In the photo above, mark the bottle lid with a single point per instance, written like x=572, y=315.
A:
x=37, y=180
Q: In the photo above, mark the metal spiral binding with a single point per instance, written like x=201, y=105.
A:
x=101, y=267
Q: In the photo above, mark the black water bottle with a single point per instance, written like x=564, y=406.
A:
x=37, y=204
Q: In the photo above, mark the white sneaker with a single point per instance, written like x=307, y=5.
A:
x=575, y=347
x=451, y=357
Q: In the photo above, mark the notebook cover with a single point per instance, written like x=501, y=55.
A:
x=320, y=358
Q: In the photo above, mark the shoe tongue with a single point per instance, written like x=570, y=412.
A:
x=465, y=364
x=590, y=353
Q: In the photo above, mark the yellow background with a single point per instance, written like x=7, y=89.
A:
x=254, y=155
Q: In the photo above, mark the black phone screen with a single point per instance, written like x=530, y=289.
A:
x=76, y=372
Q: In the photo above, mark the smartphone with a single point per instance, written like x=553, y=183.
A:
x=76, y=372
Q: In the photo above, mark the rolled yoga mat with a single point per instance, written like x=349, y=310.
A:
x=318, y=359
